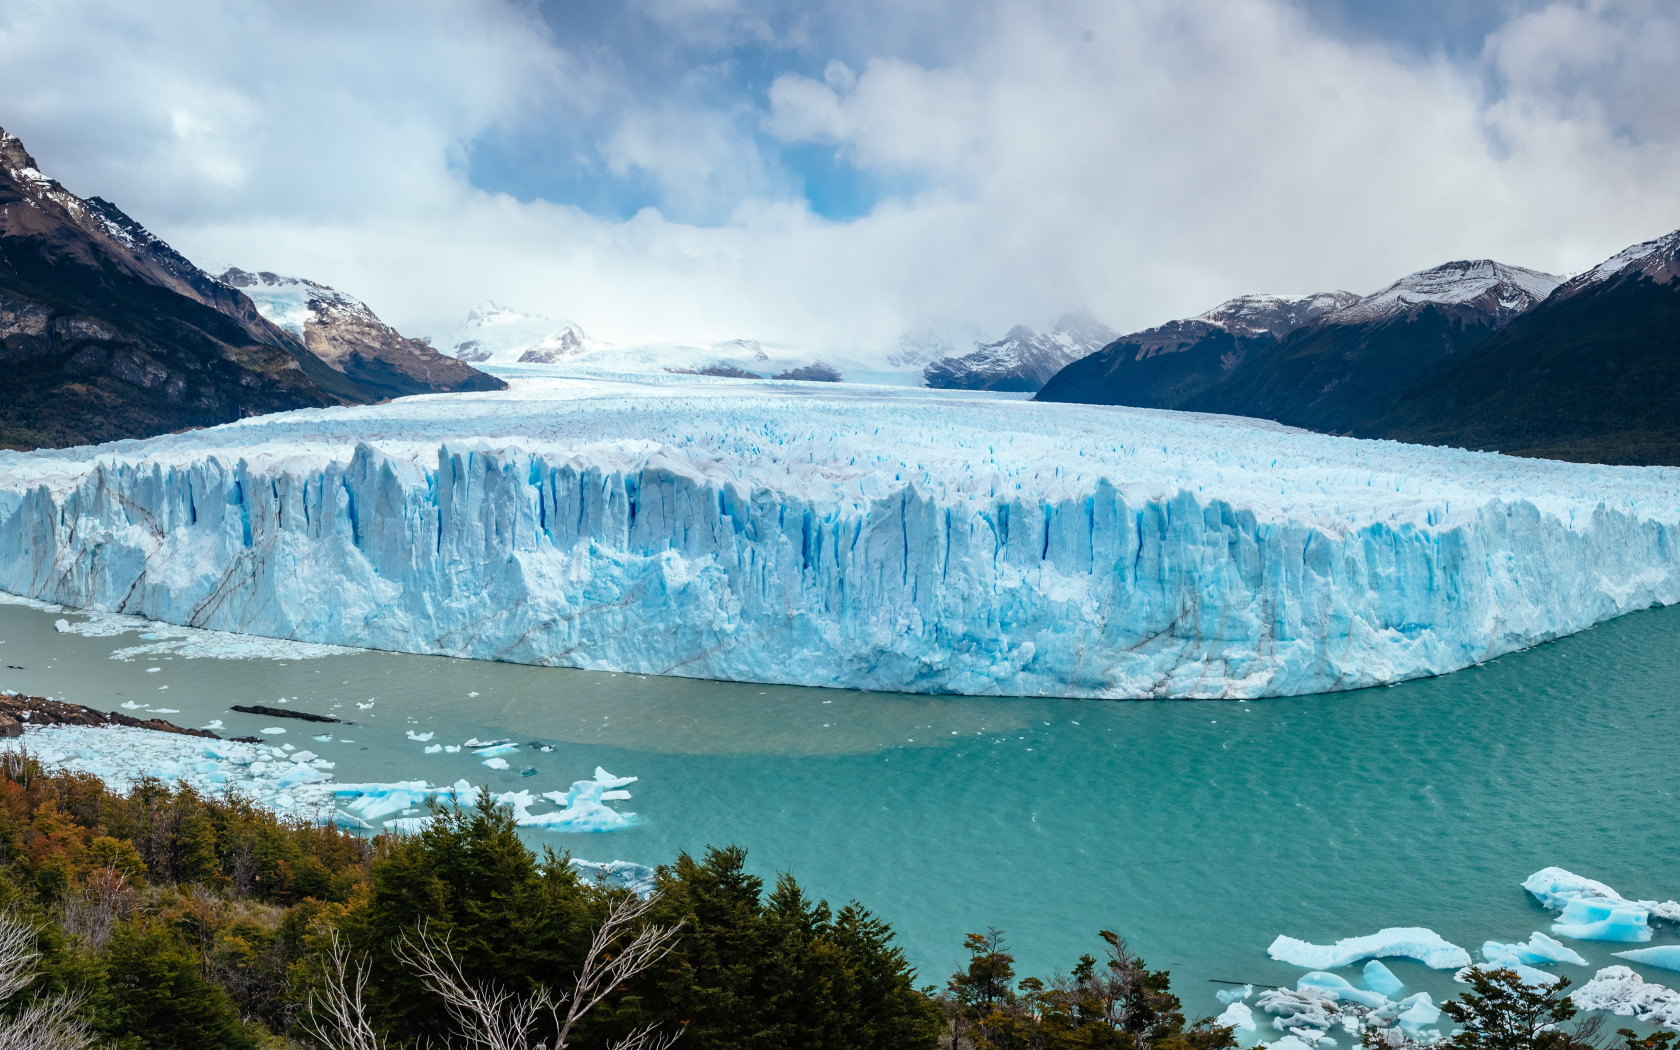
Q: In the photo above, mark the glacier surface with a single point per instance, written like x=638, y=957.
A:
x=861, y=538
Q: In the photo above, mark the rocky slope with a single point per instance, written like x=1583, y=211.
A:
x=1023, y=359
x=1591, y=374
x=1341, y=372
x=342, y=331
x=106, y=332
x=1169, y=365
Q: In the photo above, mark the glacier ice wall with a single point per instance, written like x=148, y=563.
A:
x=906, y=544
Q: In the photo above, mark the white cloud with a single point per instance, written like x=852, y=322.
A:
x=1145, y=158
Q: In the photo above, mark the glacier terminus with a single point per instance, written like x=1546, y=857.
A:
x=867, y=538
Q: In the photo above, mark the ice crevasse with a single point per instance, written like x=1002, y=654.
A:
x=878, y=542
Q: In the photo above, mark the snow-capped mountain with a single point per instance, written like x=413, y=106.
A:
x=1166, y=366
x=494, y=334
x=1480, y=290
x=345, y=333
x=1592, y=373
x=1023, y=359
x=1658, y=259
x=107, y=332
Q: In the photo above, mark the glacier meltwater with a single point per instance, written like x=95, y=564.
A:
x=862, y=538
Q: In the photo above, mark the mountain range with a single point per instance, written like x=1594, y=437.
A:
x=1472, y=353
x=1023, y=359
x=107, y=332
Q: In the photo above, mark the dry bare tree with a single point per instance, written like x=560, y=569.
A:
x=92, y=911
x=486, y=1016
x=45, y=1022
x=337, y=1016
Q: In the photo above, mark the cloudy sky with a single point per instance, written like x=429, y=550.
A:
x=825, y=174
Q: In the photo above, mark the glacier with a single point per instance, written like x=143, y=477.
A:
x=864, y=538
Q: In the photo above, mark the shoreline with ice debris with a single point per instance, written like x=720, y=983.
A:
x=908, y=544
x=296, y=782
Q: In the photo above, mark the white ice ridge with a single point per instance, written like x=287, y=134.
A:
x=1620, y=991
x=854, y=538
x=1591, y=911
x=1395, y=942
x=297, y=783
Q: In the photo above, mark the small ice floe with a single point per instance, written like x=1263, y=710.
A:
x=1540, y=950
x=324, y=738
x=434, y=749
x=1666, y=957
x=472, y=694
x=130, y=705
x=166, y=710
x=1618, y=990
x=1380, y=978
x=1591, y=911
x=215, y=723
x=153, y=670
x=1237, y=1016
x=1228, y=995
x=499, y=747
x=363, y=707
x=451, y=748
x=273, y=731
x=1395, y=942
x=496, y=763
x=422, y=737
x=638, y=878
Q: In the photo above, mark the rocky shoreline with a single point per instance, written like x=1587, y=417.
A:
x=18, y=710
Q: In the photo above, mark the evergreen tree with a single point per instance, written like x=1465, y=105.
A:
x=1500, y=1012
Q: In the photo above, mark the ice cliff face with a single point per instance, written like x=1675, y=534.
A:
x=803, y=535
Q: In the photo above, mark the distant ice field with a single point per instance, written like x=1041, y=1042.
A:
x=861, y=537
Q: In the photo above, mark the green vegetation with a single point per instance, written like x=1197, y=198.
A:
x=167, y=920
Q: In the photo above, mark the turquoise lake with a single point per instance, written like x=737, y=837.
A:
x=1198, y=830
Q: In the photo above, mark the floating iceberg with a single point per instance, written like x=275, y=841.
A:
x=1237, y=1016
x=1407, y=942
x=860, y=539
x=1380, y=978
x=1620, y=991
x=1665, y=957
x=1339, y=988
x=1234, y=995
x=1592, y=911
x=1539, y=951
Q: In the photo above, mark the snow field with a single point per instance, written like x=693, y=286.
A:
x=858, y=538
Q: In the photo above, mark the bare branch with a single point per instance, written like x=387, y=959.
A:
x=484, y=1015
x=17, y=956
x=336, y=1017
x=603, y=972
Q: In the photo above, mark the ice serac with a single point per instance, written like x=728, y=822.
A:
x=805, y=535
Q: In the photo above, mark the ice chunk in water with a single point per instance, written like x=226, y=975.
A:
x=1620, y=991
x=496, y=763
x=1539, y=951
x=1238, y=1016
x=1380, y=978
x=1339, y=988
x=422, y=737
x=1666, y=956
x=1235, y=995
x=1592, y=911
x=1402, y=942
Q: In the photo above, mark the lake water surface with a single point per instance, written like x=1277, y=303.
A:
x=1198, y=830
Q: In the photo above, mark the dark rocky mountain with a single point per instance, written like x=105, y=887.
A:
x=342, y=331
x=1591, y=374
x=1472, y=354
x=106, y=332
x=1350, y=366
x=1022, y=360
x=1172, y=364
